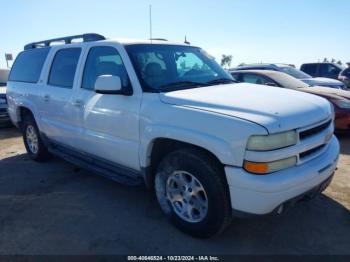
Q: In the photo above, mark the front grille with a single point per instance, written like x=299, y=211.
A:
x=314, y=131
x=310, y=152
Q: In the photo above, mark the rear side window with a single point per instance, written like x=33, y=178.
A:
x=309, y=69
x=28, y=65
x=63, y=67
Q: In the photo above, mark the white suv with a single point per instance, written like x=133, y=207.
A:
x=169, y=116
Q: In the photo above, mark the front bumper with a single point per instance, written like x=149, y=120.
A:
x=262, y=194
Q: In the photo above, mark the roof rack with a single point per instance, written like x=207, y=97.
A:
x=67, y=40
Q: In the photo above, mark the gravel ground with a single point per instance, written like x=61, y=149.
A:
x=56, y=208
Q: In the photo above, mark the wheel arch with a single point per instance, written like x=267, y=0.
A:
x=161, y=146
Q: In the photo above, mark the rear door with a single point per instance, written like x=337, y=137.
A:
x=110, y=121
x=58, y=110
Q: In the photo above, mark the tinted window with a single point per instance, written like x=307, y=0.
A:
x=63, y=67
x=28, y=65
x=309, y=69
x=329, y=70
x=103, y=60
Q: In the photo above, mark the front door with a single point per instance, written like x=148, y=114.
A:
x=110, y=122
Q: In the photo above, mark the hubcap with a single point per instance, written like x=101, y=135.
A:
x=32, y=139
x=187, y=196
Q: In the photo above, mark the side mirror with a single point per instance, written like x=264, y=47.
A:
x=109, y=84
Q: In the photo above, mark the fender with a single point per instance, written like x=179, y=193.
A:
x=217, y=146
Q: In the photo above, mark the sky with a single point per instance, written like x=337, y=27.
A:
x=288, y=31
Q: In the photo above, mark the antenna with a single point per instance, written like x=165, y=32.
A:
x=186, y=42
x=150, y=22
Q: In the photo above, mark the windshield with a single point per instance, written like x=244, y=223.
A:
x=287, y=81
x=294, y=72
x=172, y=67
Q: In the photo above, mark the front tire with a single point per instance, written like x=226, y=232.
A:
x=33, y=143
x=192, y=191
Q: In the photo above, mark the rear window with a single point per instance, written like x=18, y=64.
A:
x=63, y=67
x=28, y=65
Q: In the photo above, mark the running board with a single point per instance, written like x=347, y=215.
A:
x=120, y=174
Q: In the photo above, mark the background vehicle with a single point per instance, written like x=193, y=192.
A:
x=344, y=75
x=329, y=70
x=306, y=78
x=339, y=98
x=169, y=116
x=4, y=117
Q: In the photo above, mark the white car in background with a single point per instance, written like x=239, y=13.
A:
x=4, y=117
x=296, y=73
x=167, y=115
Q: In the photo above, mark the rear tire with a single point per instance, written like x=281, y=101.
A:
x=33, y=143
x=192, y=191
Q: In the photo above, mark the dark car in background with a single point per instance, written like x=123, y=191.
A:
x=329, y=70
x=298, y=74
x=339, y=98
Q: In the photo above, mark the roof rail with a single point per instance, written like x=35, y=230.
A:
x=67, y=40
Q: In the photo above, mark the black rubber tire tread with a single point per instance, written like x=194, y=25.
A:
x=211, y=174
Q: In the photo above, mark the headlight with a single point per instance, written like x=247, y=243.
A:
x=272, y=142
x=342, y=104
x=270, y=167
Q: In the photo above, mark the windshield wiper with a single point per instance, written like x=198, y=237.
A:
x=181, y=84
x=221, y=81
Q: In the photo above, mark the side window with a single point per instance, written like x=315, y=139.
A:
x=310, y=69
x=28, y=65
x=255, y=79
x=103, y=60
x=328, y=69
x=333, y=70
x=63, y=67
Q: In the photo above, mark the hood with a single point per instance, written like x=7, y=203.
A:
x=276, y=109
x=326, y=91
x=322, y=81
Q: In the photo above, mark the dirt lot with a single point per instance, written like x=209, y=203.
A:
x=56, y=208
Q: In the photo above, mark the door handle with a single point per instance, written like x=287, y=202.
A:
x=46, y=98
x=78, y=103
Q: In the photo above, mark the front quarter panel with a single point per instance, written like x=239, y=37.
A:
x=224, y=136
